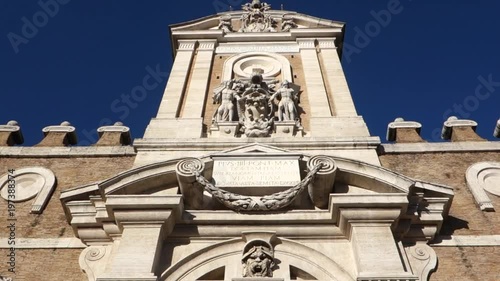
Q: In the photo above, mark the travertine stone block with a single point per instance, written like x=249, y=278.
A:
x=198, y=86
x=460, y=130
x=318, y=100
x=116, y=135
x=402, y=131
x=11, y=134
x=63, y=135
x=172, y=98
x=337, y=86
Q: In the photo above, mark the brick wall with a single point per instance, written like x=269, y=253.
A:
x=70, y=173
x=54, y=265
x=457, y=263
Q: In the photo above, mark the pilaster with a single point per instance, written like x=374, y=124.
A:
x=338, y=90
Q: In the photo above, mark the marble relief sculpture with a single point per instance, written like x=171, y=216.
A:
x=226, y=95
x=226, y=25
x=258, y=261
x=287, y=24
x=256, y=103
x=288, y=99
x=256, y=19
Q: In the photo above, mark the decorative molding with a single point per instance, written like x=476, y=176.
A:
x=439, y=147
x=64, y=152
x=423, y=260
x=206, y=45
x=322, y=185
x=481, y=177
x=31, y=182
x=327, y=43
x=306, y=43
x=232, y=63
x=43, y=243
x=186, y=45
x=238, y=48
x=93, y=261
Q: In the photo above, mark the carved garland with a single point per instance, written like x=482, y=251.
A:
x=266, y=203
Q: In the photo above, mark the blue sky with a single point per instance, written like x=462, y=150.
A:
x=423, y=60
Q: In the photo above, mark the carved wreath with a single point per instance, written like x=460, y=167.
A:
x=271, y=202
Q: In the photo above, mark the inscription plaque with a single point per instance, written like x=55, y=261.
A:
x=256, y=172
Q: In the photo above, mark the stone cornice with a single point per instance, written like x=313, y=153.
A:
x=65, y=152
x=439, y=147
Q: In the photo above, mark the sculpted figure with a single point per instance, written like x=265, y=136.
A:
x=258, y=262
x=287, y=109
x=288, y=24
x=225, y=96
x=225, y=25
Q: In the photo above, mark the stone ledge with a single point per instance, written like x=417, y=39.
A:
x=439, y=147
x=467, y=241
x=54, y=152
x=48, y=243
x=284, y=143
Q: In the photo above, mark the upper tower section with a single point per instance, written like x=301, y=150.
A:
x=257, y=75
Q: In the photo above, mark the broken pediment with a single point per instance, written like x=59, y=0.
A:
x=325, y=185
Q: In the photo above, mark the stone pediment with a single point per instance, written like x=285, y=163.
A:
x=212, y=22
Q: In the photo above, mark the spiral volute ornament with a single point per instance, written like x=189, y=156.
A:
x=420, y=252
x=187, y=166
x=95, y=254
x=328, y=165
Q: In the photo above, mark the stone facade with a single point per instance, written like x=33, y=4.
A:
x=256, y=167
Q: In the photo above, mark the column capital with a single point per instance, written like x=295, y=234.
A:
x=306, y=43
x=186, y=45
x=326, y=43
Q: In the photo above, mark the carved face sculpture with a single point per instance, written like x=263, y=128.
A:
x=258, y=262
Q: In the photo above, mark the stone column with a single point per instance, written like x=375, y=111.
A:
x=318, y=99
x=338, y=89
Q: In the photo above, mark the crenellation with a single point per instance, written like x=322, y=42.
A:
x=62, y=135
x=460, y=130
x=116, y=135
x=401, y=131
x=11, y=134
